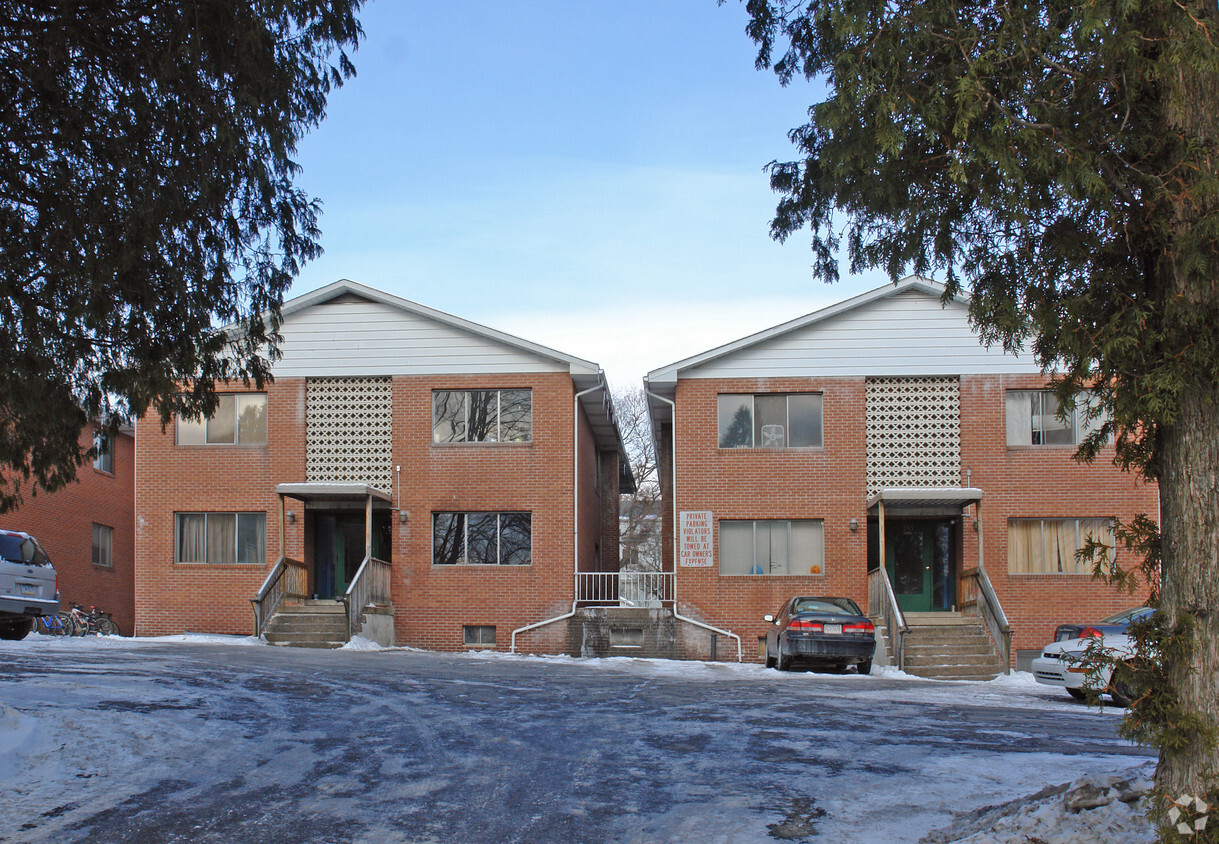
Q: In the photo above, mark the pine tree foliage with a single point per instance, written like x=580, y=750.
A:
x=146, y=196
x=1060, y=160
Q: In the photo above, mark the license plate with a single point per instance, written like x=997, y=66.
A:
x=835, y=629
x=27, y=589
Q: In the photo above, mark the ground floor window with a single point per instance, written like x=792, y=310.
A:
x=103, y=545
x=772, y=546
x=482, y=539
x=478, y=634
x=220, y=538
x=1050, y=546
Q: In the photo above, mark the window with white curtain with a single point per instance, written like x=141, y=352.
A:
x=1050, y=546
x=772, y=547
x=220, y=538
x=103, y=545
x=1032, y=419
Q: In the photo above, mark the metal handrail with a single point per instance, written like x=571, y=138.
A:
x=273, y=590
x=996, y=620
x=882, y=601
x=369, y=586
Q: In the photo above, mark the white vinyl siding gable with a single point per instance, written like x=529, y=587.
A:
x=908, y=333
x=358, y=337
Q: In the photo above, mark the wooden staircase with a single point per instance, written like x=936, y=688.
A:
x=308, y=624
x=948, y=646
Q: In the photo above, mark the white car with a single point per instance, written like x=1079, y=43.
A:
x=1064, y=664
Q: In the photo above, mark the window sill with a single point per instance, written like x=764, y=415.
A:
x=451, y=566
x=258, y=566
x=482, y=444
x=219, y=445
x=796, y=449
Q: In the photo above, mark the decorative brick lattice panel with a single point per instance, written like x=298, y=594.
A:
x=349, y=431
x=914, y=432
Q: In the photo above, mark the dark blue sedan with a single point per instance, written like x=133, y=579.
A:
x=827, y=632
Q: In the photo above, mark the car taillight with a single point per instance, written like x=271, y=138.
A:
x=801, y=624
x=1090, y=633
x=860, y=627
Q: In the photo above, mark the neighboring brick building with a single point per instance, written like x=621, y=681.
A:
x=489, y=466
x=88, y=529
x=792, y=444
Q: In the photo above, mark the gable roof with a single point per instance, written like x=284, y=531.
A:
x=903, y=328
x=354, y=352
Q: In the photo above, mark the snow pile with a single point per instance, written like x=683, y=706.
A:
x=1092, y=808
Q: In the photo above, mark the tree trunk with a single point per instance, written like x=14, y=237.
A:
x=1189, y=508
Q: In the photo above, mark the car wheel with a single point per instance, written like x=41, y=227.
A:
x=1120, y=691
x=784, y=662
x=770, y=660
x=1078, y=694
x=864, y=667
x=16, y=629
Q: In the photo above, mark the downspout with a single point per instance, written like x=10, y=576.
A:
x=575, y=520
x=673, y=494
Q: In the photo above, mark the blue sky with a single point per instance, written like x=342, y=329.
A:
x=584, y=175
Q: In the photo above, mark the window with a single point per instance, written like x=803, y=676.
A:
x=1032, y=419
x=1049, y=546
x=103, y=460
x=481, y=539
x=478, y=634
x=103, y=545
x=240, y=419
x=770, y=420
x=220, y=538
x=772, y=547
x=482, y=416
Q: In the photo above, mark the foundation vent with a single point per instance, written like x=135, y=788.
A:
x=913, y=432
x=349, y=431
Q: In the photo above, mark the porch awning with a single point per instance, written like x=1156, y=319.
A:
x=352, y=492
x=925, y=498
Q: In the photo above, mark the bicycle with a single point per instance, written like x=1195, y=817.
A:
x=93, y=621
x=60, y=624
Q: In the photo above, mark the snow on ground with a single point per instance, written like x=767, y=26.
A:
x=99, y=743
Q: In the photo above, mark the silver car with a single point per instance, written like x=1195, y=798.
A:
x=28, y=585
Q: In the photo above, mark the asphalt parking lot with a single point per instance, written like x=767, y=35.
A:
x=215, y=741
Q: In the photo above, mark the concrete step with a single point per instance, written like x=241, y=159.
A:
x=307, y=622
x=956, y=672
x=917, y=619
x=947, y=646
x=934, y=659
x=325, y=605
x=952, y=648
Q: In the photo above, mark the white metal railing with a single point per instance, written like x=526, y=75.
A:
x=882, y=603
x=369, y=587
x=625, y=588
x=288, y=578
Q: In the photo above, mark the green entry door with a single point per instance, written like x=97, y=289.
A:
x=919, y=557
x=908, y=557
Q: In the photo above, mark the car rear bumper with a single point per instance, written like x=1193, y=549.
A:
x=813, y=646
x=27, y=606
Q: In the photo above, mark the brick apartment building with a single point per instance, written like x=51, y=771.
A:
x=782, y=453
x=88, y=528
x=479, y=470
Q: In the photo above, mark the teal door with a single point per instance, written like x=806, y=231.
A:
x=919, y=557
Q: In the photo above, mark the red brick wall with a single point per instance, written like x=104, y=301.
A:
x=830, y=484
x=432, y=603
x=63, y=522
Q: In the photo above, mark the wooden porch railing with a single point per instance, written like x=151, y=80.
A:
x=979, y=599
x=369, y=587
x=288, y=579
x=882, y=603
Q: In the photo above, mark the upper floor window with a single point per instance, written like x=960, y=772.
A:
x=103, y=460
x=1033, y=419
x=482, y=539
x=220, y=538
x=240, y=419
x=1051, y=546
x=475, y=416
x=769, y=420
x=772, y=546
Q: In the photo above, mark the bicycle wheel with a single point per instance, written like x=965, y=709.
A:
x=63, y=624
x=80, y=625
x=106, y=627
